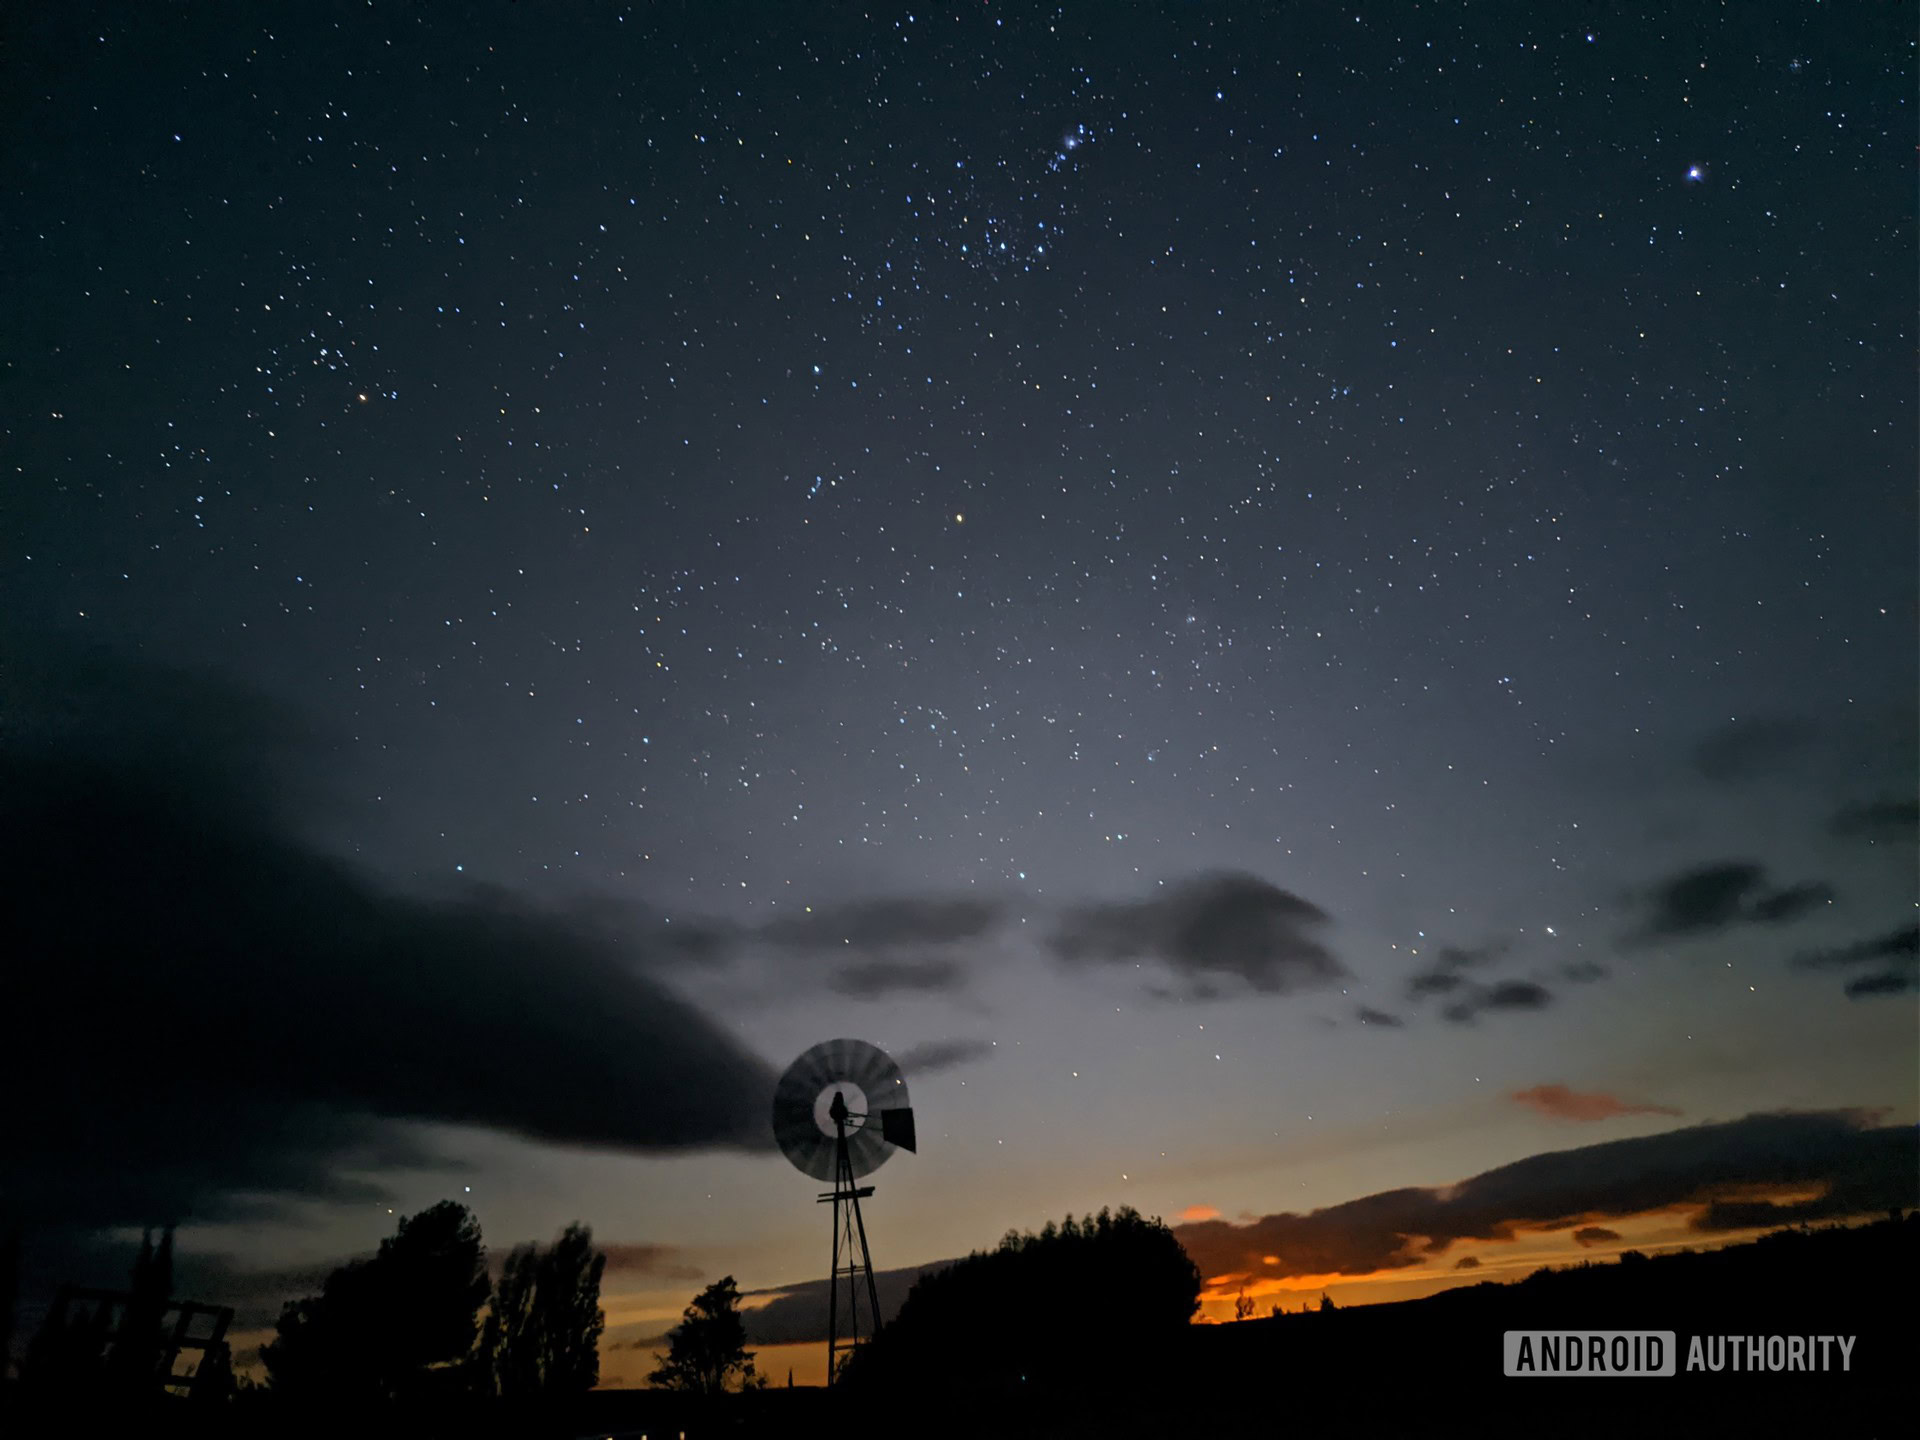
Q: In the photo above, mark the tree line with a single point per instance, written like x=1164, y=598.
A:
x=407, y=1324
x=422, y=1324
x=420, y=1320
x=975, y=1326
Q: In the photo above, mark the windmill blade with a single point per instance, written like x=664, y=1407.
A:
x=795, y=1129
x=849, y=1065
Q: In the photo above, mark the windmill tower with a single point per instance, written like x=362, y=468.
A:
x=838, y=1113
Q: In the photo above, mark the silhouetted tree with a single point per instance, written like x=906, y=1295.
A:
x=1242, y=1306
x=509, y=1353
x=213, y=1379
x=67, y=1354
x=707, y=1350
x=134, y=1359
x=1326, y=1303
x=100, y=1349
x=399, y=1325
x=9, y=1295
x=992, y=1319
x=542, y=1336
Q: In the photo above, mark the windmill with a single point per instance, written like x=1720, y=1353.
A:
x=839, y=1111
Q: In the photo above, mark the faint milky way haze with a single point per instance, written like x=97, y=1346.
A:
x=1287, y=605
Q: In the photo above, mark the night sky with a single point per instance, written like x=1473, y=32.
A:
x=1283, y=603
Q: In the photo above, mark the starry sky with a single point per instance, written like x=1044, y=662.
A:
x=1284, y=603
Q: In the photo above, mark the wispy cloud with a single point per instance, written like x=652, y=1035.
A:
x=1896, y=951
x=1563, y=1103
x=653, y=1262
x=884, y=925
x=942, y=1055
x=1506, y=995
x=1367, y=1015
x=877, y=979
x=1878, y=820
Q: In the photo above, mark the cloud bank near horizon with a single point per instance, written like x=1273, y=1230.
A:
x=1760, y=1171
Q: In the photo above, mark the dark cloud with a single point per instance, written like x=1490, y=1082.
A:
x=1887, y=982
x=1467, y=1262
x=1583, y=972
x=209, y=1013
x=1709, y=898
x=1791, y=903
x=1595, y=1235
x=1898, y=950
x=1752, y=749
x=1367, y=1015
x=1891, y=819
x=1849, y=1165
x=886, y=924
x=652, y=1262
x=663, y=941
x=798, y=1313
x=879, y=948
x=1903, y=942
x=876, y=979
x=103, y=1259
x=1516, y=995
x=1465, y=957
x=1563, y=1103
x=882, y=978
x=1443, y=976
x=942, y=1055
x=1214, y=926
x=256, y=1293
x=887, y=940
x=1506, y=995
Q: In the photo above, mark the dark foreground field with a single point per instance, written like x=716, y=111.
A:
x=1422, y=1367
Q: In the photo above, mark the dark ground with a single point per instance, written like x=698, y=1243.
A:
x=1421, y=1367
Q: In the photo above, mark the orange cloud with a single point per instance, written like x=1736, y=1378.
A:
x=1565, y=1104
x=1199, y=1212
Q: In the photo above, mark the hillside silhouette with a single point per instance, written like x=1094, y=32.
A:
x=1386, y=1368
x=1426, y=1366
